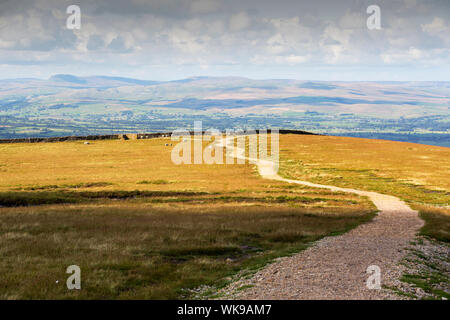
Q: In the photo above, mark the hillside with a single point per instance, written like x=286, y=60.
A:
x=70, y=105
x=141, y=227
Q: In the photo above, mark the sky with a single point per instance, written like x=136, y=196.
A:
x=260, y=39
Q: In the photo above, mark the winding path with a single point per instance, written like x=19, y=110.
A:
x=335, y=267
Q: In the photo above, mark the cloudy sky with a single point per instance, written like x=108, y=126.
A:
x=174, y=39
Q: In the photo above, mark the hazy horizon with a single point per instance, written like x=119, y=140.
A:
x=212, y=76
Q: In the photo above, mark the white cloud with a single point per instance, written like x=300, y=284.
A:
x=340, y=35
x=289, y=37
x=437, y=26
x=186, y=41
x=216, y=26
x=293, y=30
x=239, y=21
x=194, y=24
x=7, y=44
x=353, y=20
x=276, y=44
x=291, y=59
x=410, y=55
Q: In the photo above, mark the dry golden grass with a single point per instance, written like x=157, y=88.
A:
x=414, y=172
x=183, y=222
x=173, y=228
x=122, y=163
x=419, y=174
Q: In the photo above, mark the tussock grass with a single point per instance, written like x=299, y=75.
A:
x=133, y=250
x=14, y=199
x=160, y=181
x=437, y=222
x=66, y=186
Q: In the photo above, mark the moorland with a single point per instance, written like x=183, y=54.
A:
x=140, y=226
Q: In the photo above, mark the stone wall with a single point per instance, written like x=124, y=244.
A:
x=132, y=136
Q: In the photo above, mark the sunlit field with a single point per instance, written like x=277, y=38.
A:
x=113, y=165
x=418, y=174
x=140, y=226
x=370, y=164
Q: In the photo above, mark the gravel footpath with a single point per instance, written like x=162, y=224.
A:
x=335, y=267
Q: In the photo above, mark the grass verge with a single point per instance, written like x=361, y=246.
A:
x=437, y=222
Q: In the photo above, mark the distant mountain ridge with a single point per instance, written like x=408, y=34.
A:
x=113, y=81
x=68, y=105
x=96, y=80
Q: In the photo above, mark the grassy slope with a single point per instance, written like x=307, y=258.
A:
x=418, y=174
x=141, y=227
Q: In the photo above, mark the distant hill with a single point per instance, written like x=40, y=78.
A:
x=68, y=105
x=67, y=78
x=96, y=81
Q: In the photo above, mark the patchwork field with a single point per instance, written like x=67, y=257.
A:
x=70, y=105
x=141, y=227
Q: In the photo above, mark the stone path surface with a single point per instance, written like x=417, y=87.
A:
x=336, y=267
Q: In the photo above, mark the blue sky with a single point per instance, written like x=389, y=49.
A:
x=173, y=39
